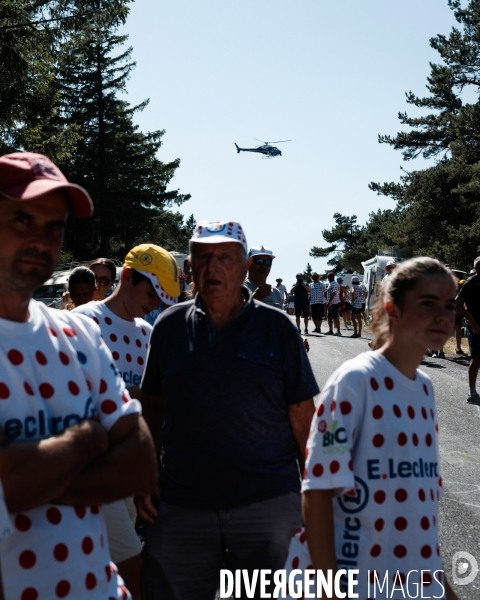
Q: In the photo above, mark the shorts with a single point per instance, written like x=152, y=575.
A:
x=120, y=519
x=333, y=311
x=356, y=311
x=291, y=305
x=348, y=306
x=318, y=311
x=302, y=308
x=363, y=306
x=473, y=342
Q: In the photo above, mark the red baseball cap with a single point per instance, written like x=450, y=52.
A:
x=26, y=175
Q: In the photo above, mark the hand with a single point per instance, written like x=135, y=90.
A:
x=145, y=508
x=262, y=292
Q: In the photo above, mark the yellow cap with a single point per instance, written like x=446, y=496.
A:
x=149, y=258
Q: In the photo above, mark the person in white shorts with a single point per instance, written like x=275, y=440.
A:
x=62, y=400
x=150, y=274
x=372, y=481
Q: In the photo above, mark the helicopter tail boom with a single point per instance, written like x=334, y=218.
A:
x=238, y=149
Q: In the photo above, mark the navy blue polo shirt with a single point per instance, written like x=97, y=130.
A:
x=227, y=439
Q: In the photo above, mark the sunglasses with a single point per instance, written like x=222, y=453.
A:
x=103, y=280
x=263, y=261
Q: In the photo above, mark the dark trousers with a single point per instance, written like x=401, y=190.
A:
x=185, y=548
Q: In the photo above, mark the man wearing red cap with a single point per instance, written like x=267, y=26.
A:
x=58, y=379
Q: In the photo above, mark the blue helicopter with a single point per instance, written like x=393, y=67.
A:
x=266, y=149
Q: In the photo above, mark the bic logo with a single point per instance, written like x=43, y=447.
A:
x=333, y=434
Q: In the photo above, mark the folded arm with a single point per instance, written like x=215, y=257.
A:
x=128, y=468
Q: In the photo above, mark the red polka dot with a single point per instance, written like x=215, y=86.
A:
x=143, y=331
x=421, y=495
x=375, y=551
x=426, y=551
x=334, y=466
x=379, y=497
x=440, y=482
x=378, y=440
x=350, y=465
x=411, y=412
x=398, y=577
x=424, y=413
x=73, y=387
x=29, y=594
x=345, y=407
x=115, y=355
x=46, y=390
x=113, y=337
x=96, y=320
x=22, y=523
x=64, y=358
x=62, y=589
x=396, y=411
x=432, y=413
x=377, y=412
x=126, y=339
x=428, y=439
x=108, y=572
x=108, y=407
x=400, y=551
x=138, y=343
x=320, y=410
x=402, y=439
x=89, y=385
x=108, y=320
x=295, y=562
x=87, y=545
x=415, y=439
x=425, y=389
x=379, y=523
x=103, y=386
x=374, y=384
x=52, y=332
x=4, y=391
x=41, y=358
x=27, y=559
x=425, y=523
x=80, y=511
x=128, y=357
x=401, y=495
x=140, y=360
x=333, y=406
x=401, y=523
x=317, y=470
x=388, y=383
x=426, y=578
x=28, y=388
x=303, y=538
x=94, y=510
x=125, y=398
x=68, y=331
x=54, y=516
x=60, y=552
x=90, y=581
x=432, y=495
x=15, y=357
x=438, y=552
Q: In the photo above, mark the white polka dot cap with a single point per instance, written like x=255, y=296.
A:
x=215, y=232
x=162, y=294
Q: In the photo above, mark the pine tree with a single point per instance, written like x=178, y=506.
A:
x=113, y=160
x=307, y=274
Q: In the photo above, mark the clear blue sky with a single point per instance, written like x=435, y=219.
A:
x=329, y=75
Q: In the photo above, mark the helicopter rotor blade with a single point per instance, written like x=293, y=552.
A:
x=281, y=142
x=260, y=141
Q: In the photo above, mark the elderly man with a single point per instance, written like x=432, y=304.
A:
x=260, y=267
x=282, y=289
x=232, y=433
x=57, y=380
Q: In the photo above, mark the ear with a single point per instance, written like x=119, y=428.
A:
x=393, y=311
x=126, y=275
x=249, y=263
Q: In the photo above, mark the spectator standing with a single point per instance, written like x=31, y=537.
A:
x=150, y=274
x=301, y=291
x=317, y=301
x=333, y=303
x=234, y=428
x=105, y=273
x=359, y=293
x=256, y=282
x=347, y=312
x=81, y=286
x=468, y=305
x=291, y=304
x=57, y=376
x=282, y=289
x=389, y=267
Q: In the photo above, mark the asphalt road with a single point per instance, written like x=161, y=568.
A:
x=459, y=447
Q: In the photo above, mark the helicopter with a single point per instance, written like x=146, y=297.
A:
x=266, y=148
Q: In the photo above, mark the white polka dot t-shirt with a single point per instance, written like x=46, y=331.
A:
x=56, y=371
x=127, y=340
x=373, y=441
